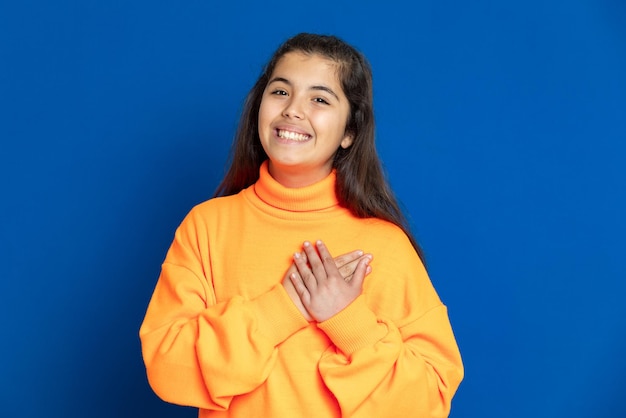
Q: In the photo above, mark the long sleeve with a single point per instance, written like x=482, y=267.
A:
x=394, y=352
x=200, y=352
x=221, y=334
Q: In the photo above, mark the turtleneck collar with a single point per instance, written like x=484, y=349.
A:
x=316, y=197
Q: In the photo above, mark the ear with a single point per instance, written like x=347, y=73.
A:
x=347, y=140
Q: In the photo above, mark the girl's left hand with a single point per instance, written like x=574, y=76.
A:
x=321, y=287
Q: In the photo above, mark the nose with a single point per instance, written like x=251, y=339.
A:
x=293, y=109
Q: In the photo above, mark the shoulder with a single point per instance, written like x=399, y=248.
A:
x=221, y=203
x=213, y=210
x=217, y=204
x=385, y=238
x=386, y=230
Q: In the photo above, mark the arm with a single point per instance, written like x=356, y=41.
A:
x=201, y=352
x=394, y=353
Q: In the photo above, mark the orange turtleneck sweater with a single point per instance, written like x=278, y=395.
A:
x=221, y=334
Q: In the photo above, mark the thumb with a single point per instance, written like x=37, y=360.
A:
x=362, y=269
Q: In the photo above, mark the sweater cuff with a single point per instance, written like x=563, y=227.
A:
x=277, y=316
x=355, y=327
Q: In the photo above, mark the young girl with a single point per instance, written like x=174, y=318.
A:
x=252, y=316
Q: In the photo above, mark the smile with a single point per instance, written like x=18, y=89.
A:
x=292, y=136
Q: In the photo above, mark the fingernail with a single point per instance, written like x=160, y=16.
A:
x=307, y=244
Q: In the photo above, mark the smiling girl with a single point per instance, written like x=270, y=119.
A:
x=252, y=316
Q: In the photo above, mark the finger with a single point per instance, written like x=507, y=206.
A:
x=327, y=259
x=308, y=278
x=361, y=271
x=301, y=294
x=315, y=262
x=348, y=258
x=299, y=285
x=348, y=269
x=302, y=257
x=348, y=278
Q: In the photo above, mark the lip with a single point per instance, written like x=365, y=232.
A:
x=293, y=129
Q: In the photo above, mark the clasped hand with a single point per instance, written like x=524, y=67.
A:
x=320, y=285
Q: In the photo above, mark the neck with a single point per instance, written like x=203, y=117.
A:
x=296, y=177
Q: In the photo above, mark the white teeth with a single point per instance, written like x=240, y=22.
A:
x=292, y=135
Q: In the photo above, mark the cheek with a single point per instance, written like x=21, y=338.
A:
x=265, y=115
x=261, y=112
x=339, y=128
x=262, y=120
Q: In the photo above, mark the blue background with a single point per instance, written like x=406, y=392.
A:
x=502, y=126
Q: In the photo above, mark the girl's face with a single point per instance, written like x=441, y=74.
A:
x=302, y=119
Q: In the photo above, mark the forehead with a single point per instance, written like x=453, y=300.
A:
x=316, y=68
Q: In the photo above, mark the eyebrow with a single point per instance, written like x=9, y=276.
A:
x=316, y=87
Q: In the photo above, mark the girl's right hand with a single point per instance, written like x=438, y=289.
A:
x=346, y=264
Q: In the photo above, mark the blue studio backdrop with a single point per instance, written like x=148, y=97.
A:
x=502, y=126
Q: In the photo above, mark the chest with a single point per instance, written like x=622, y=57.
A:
x=248, y=258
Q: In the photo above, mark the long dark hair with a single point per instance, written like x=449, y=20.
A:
x=361, y=184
